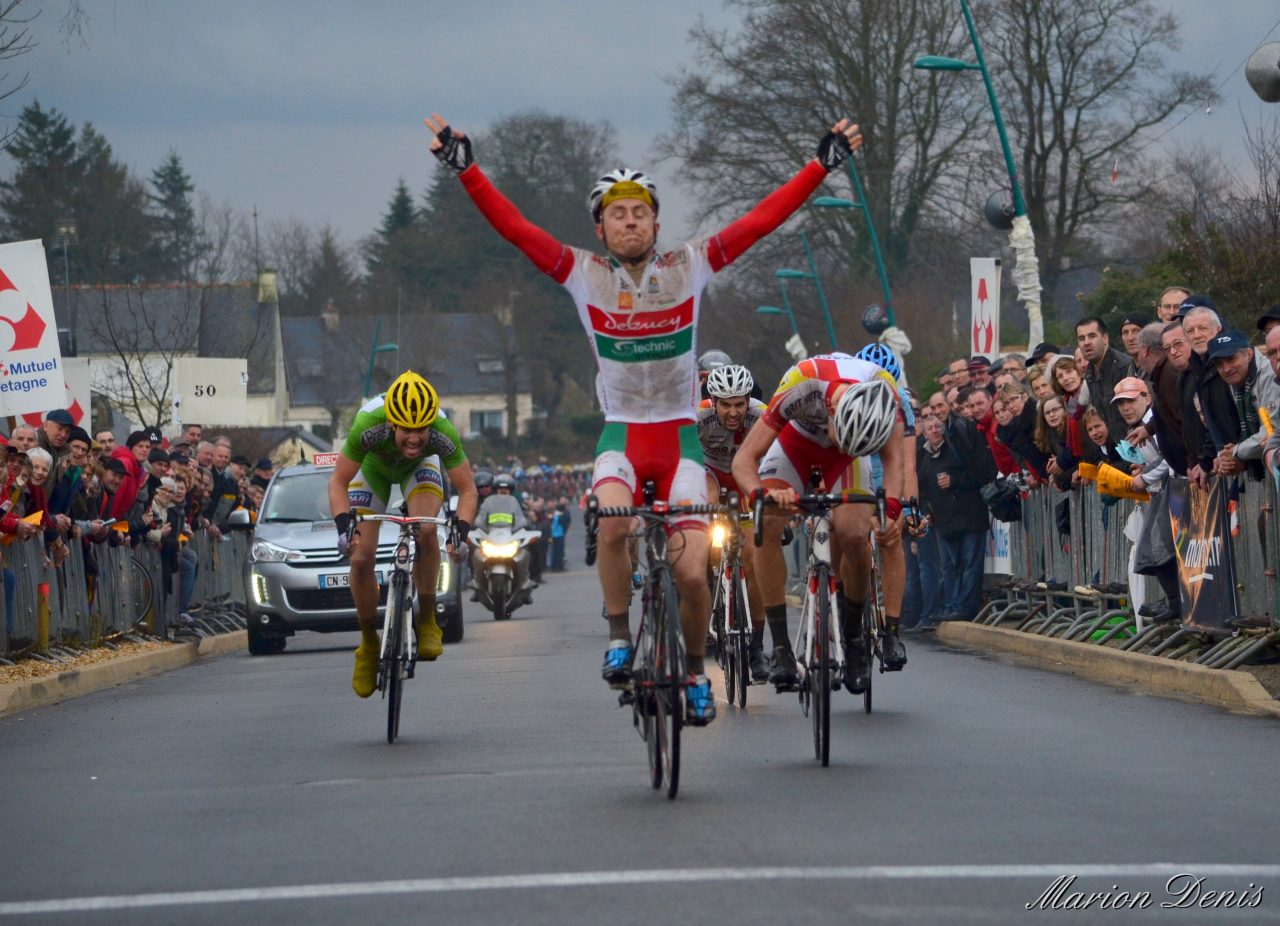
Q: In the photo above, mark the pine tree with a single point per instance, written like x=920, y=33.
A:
x=40, y=191
x=176, y=240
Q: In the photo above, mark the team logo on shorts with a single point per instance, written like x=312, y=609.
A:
x=361, y=498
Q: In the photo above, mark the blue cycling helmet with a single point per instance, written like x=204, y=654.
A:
x=882, y=357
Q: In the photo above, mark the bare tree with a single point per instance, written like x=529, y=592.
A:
x=756, y=102
x=1082, y=85
x=15, y=41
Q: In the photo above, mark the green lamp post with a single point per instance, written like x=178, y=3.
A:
x=810, y=274
x=1026, y=274
x=374, y=349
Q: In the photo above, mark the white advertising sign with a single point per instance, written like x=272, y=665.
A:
x=31, y=376
x=78, y=397
x=211, y=390
x=998, y=559
x=985, y=314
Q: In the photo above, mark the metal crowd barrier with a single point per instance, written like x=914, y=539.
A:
x=1076, y=585
x=118, y=592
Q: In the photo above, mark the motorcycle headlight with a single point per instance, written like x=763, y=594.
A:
x=264, y=552
x=718, y=535
x=499, y=550
x=443, y=575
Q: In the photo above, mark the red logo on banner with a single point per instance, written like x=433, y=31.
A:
x=28, y=330
x=36, y=418
x=983, y=331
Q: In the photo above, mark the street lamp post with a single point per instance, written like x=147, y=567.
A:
x=64, y=235
x=1026, y=273
x=374, y=349
x=811, y=274
x=832, y=202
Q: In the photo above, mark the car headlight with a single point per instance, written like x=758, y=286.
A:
x=499, y=550
x=443, y=575
x=264, y=552
x=718, y=534
x=261, y=594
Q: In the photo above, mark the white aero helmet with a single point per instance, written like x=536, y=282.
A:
x=865, y=416
x=730, y=381
x=630, y=184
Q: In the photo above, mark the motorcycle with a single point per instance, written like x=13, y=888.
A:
x=500, y=568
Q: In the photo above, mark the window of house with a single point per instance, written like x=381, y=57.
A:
x=482, y=421
x=489, y=365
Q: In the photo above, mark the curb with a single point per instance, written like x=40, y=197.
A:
x=50, y=689
x=1229, y=688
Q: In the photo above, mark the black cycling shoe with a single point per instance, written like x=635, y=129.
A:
x=893, y=654
x=784, y=676
x=857, y=668
x=759, y=664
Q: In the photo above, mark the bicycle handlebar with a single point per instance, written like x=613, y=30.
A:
x=449, y=520
x=817, y=502
x=657, y=511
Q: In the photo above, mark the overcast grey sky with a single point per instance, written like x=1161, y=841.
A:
x=312, y=108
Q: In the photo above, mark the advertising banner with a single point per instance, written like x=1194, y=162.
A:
x=1202, y=542
x=79, y=394
x=998, y=560
x=31, y=375
x=211, y=390
x=984, y=314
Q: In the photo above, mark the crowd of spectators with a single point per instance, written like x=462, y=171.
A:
x=1185, y=397
x=64, y=487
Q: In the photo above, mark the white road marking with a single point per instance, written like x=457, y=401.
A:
x=575, y=879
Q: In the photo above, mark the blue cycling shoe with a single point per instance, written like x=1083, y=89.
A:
x=617, y=663
x=701, y=702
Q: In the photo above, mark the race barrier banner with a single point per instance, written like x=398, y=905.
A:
x=31, y=375
x=1202, y=541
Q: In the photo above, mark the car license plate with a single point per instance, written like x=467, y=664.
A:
x=343, y=579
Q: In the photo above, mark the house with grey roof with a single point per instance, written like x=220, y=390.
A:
x=471, y=360
x=132, y=336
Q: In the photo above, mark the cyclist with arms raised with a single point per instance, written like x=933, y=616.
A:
x=833, y=412
x=640, y=310
x=724, y=420
x=397, y=438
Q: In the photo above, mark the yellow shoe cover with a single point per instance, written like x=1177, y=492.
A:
x=430, y=639
x=365, y=678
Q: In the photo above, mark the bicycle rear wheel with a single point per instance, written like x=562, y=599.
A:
x=869, y=624
x=820, y=671
x=668, y=681
x=393, y=660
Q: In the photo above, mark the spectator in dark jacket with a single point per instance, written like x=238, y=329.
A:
x=1019, y=434
x=1200, y=388
x=1161, y=371
x=951, y=471
x=1255, y=398
x=1106, y=367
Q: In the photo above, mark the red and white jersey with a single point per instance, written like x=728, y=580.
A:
x=643, y=337
x=719, y=444
x=802, y=396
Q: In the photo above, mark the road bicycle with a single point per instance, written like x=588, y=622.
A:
x=819, y=639
x=398, y=657
x=730, y=609
x=659, y=679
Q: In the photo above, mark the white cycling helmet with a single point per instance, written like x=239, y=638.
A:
x=595, y=200
x=865, y=416
x=730, y=381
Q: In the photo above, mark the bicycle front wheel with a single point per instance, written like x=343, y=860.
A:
x=740, y=637
x=819, y=676
x=668, y=681
x=394, y=658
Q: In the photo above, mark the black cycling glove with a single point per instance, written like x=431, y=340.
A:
x=454, y=153
x=832, y=150
x=346, y=524
x=461, y=529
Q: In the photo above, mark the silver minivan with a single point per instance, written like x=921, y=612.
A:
x=296, y=579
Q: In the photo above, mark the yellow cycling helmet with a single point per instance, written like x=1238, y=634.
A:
x=411, y=402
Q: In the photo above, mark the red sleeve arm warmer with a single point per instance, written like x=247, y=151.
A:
x=769, y=213
x=544, y=252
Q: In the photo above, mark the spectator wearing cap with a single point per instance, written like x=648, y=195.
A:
x=263, y=472
x=55, y=431
x=1269, y=319
x=132, y=455
x=1130, y=325
x=1161, y=374
x=1106, y=366
x=1239, y=430
x=240, y=466
x=1042, y=350
x=1170, y=302
x=67, y=482
x=159, y=466
x=1196, y=301
x=980, y=373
